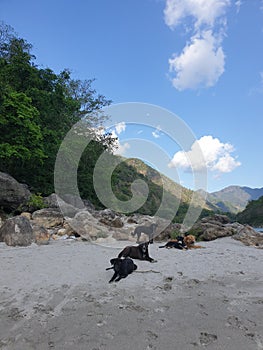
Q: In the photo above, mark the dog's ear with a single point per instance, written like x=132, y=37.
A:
x=114, y=260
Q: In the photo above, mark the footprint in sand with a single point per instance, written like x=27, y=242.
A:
x=206, y=338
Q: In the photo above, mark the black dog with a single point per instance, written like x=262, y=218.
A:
x=122, y=268
x=178, y=244
x=149, y=230
x=140, y=252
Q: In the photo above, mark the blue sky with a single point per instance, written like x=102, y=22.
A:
x=202, y=60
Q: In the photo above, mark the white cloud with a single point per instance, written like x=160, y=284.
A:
x=204, y=12
x=121, y=148
x=200, y=64
x=216, y=156
x=238, y=4
x=120, y=127
x=202, y=60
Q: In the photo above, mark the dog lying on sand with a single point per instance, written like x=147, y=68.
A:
x=140, y=252
x=175, y=243
x=149, y=230
x=183, y=243
x=122, y=268
x=190, y=242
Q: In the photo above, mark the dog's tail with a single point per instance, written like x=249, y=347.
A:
x=109, y=268
x=162, y=246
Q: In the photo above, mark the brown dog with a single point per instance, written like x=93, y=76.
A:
x=189, y=240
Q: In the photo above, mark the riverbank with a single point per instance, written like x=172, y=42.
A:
x=58, y=297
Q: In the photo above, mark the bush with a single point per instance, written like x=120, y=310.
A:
x=35, y=202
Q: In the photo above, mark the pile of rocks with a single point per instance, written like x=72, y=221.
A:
x=81, y=221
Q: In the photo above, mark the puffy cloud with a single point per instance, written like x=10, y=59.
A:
x=121, y=148
x=120, y=127
x=204, y=12
x=216, y=156
x=202, y=60
x=200, y=65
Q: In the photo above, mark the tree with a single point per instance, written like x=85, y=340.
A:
x=21, y=138
x=38, y=108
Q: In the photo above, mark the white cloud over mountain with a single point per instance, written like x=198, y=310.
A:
x=202, y=60
x=216, y=156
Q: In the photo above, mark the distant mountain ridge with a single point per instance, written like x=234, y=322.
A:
x=234, y=198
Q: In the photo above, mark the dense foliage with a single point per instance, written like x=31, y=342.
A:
x=37, y=109
x=253, y=213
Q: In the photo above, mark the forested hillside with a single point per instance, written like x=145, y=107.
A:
x=37, y=109
x=253, y=213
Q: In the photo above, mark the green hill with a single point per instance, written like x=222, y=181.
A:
x=253, y=213
x=159, y=186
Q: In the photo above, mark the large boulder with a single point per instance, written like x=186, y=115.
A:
x=212, y=232
x=12, y=193
x=248, y=236
x=213, y=227
x=48, y=218
x=41, y=234
x=17, y=231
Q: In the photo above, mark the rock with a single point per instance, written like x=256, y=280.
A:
x=51, y=201
x=42, y=236
x=12, y=193
x=132, y=220
x=17, y=231
x=248, y=236
x=55, y=202
x=61, y=232
x=216, y=219
x=213, y=227
x=116, y=222
x=26, y=215
x=48, y=218
x=213, y=232
x=123, y=235
x=168, y=232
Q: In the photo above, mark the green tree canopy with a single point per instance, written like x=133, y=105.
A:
x=37, y=108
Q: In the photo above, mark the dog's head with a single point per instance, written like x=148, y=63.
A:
x=115, y=261
x=144, y=247
x=189, y=240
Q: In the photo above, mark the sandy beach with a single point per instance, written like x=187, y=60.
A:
x=58, y=297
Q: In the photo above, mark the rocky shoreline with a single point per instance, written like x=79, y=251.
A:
x=80, y=221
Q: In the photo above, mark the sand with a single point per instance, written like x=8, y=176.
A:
x=58, y=297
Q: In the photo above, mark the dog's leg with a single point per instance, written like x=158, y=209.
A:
x=109, y=268
x=113, y=277
x=138, y=237
x=120, y=277
x=150, y=259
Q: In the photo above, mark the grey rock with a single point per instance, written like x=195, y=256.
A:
x=12, y=193
x=17, y=231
